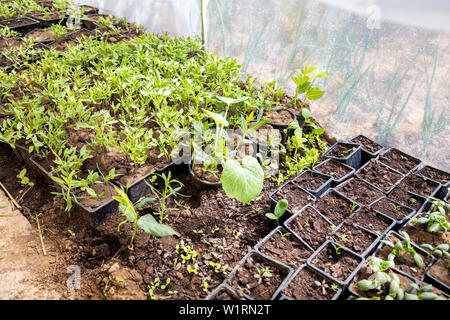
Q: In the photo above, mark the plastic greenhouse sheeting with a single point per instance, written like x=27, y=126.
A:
x=389, y=60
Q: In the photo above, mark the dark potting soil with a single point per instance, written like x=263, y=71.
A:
x=368, y=144
x=398, y=160
x=341, y=151
x=391, y=209
x=280, y=117
x=353, y=237
x=17, y=22
x=334, y=207
x=104, y=191
x=209, y=176
x=379, y=175
x=286, y=248
x=366, y=272
x=245, y=281
x=339, y=265
x=78, y=35
x=359, y=191
x=52, y=16
x=304, y=287
x=42, y=35
x=310, y=180
x=62, y=44
x=223, y=294
x=333, y=168
x=405, y=264
x=311, y=227
x=369, y=219
x=418, y=185
x=434, y=174
x=402, y=196
x=440, y=271
x=296, y=197
x=46, y=162
x=9, y=44
x=419, y=234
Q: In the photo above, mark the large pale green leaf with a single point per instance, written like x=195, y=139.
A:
x=242, y=181
x=218, y=118
x=149, y=224
x=230, y=101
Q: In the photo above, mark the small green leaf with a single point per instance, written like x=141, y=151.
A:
x=149, y=224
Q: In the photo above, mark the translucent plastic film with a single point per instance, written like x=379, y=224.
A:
x=389, y=62
x=176, y=17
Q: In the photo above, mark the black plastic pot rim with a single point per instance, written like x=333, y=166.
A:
x=397, y=222
x=419, y=162
x=370, y=248
x=281, y=126
x=258, y=246
x=364, y=182
x=345, y=282
x=293, y=217
x=305, y=266
x=419, y=170
x=267, y=259
x=203, y=182
x=372, y=154
x=438, y=284
x=225, y=287
x=319, y=189
x=271, y=196
x=32, y=22
x=357, y=146
x=337, y=181
x=357, y=174
x=389, y=228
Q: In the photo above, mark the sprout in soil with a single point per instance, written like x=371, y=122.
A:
x=24, y=180
x=263, y=272
x=280, y=209
x=337, y=249
x=435, y=220
x=440, y=250
x=422, y=293
x=402, y=248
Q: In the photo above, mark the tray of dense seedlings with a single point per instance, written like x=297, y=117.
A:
x=372, y=229
x=107, y=115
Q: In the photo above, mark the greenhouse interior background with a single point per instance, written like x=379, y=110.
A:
x=389, y=64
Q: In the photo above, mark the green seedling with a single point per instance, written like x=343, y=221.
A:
x=352, y=207
x=325, y=286
x=402, y=248
x=440, y=250
x=337, y=249
x=436, y=220
x=263, y=272
x=422, y=293
x=280, y=209
x=24, y=180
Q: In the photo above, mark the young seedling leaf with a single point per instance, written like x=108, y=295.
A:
x=149, y=224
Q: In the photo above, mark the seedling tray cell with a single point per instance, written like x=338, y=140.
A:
x=352, y=156
x=327, y=165
x=320, y=182
x=397, y=211
x=297, y=197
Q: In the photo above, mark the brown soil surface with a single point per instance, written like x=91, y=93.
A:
x=369, y=219
x=419, y=235
x=245, y=282
x=310, y=180
x=10, y=43
x=17, y=22
x=208, y=176
x=62, y=44
x=418, y=185
x=334, y=207
x=303, y=286
x=379, y=175
x=341, y=151
x=391, y=209
x=41, y=35
x=402, y=196
x=296, y=197
x=368, y=144
x=106, y=190
x=333, y=168
x=441, y=272
x=280, y=117
x=311, y=227
x=351, y=236
x=359, y=191
x=434, y=174
x=339, y=266
x=398, y=160
x=286, y=248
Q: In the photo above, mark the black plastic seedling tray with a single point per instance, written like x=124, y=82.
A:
x=391, y=170
x=442, y=192
x=366, y=154
x=343, y=283
x=398, y=222
x=334, y=181
x=283, y=296
x=48, y=22
x=417, y=162
x=322, y=188
x=286, y=270
x=353, y=159
x=289, y=211
x=29, y=24
x=223, y=287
